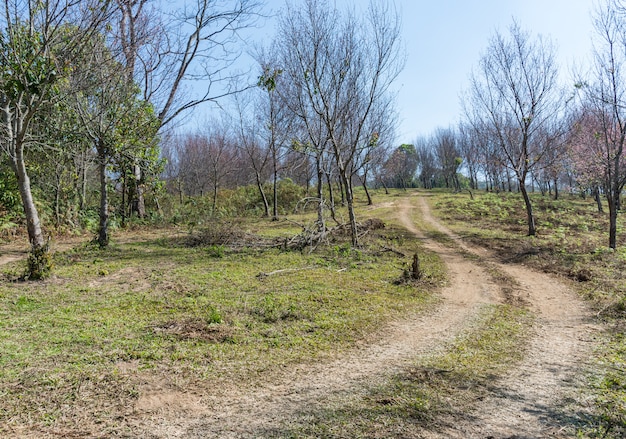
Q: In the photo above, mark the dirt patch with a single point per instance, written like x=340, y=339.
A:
x=530, y=401
x=240, y=412
x=197, y=329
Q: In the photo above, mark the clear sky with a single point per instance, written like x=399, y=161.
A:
x=444, y=40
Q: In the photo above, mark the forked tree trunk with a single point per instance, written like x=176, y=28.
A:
x=266, y=204
x=349, y=198
x=596, y=195
x=367, y=193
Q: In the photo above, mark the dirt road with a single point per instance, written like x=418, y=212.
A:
x=522, y=407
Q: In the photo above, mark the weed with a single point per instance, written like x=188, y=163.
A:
x=412, y=401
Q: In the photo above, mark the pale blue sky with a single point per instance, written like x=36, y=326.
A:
x=445, y=38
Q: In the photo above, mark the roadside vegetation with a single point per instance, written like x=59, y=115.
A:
x=434, y=391
x=570, y=242
x=177, y=308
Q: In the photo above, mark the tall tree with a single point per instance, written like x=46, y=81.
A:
x=515, y=93
x=181, y=58
x=39, y=42
x=448, y=156
x=120, y=126
x=345, y=66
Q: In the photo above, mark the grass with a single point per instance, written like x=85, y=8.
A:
x=572, y=242
x=78, y=350
x=444, y=386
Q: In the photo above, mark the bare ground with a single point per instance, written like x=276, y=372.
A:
x=528, y=403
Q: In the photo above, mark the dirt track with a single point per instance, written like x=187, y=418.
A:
x=524, y=406
x=528, y=403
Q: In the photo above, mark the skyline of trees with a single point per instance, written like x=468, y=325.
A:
x=91, y=97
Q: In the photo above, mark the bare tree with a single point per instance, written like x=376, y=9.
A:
x=515, y=92
x=275, y=120
x=601, y=148
x=469, y=142
x=448, y=156
x=249, y=140
x=344, y=66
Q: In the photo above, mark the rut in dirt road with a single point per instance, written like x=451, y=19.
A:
x=522, y=405
x=528, y=403
x=259, y=412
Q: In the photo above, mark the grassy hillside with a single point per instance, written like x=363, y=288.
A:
x=171, y=309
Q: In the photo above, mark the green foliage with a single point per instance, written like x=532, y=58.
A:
x=216, y=251
x=268, y=79
x=27, y=66
x=213, y=316
x=244, y=201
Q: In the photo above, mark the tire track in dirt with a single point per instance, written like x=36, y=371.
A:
x=529, y=402
x=253, y=413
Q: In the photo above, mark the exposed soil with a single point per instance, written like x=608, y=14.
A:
x=527, y=403
x=532, y=401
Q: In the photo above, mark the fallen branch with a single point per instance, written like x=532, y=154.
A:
x=394, y=251
x=263, y=275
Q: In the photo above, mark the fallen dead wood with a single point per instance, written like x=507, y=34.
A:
x=393, y=250
x=263, y=275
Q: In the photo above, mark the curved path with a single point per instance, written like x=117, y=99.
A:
x=529, y=403
x=522, y=406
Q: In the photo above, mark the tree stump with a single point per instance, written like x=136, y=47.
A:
x=415, y=268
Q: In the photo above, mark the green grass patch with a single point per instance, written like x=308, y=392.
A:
x=82, y=346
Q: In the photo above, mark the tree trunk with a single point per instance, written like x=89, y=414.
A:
x=123, y=209
x=266, y=204
x=179, y=182
x=103, y=229
x=331, y=195
x=275, y=192
x=349, y=198
x=342, y=189
x=214, y=205
x=529, y=209
x=39, y=264
x=140, y=199
x=556, y=189
x=611, y=196
x=367, y=192
x=596, y=194
x=382, y=181
x=321, y=226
